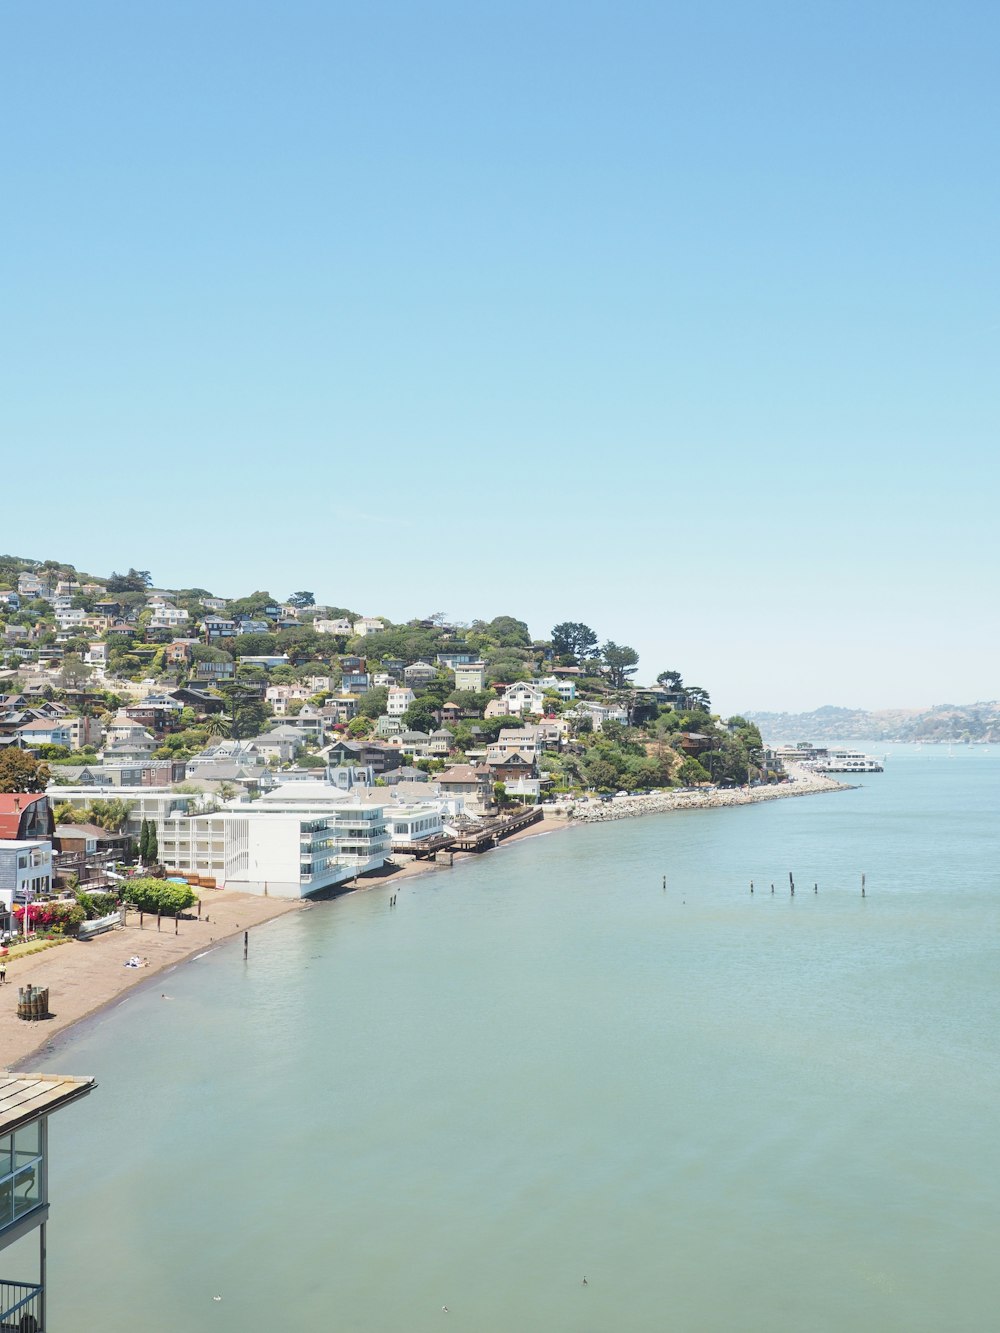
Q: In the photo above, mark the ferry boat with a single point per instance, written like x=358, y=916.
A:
x=848, y=761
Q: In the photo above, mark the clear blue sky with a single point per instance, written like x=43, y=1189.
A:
x=678, y=319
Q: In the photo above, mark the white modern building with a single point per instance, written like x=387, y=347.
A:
x=399, y=700
x=284, y=849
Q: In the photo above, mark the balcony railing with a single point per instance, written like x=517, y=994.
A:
x=21, y=1306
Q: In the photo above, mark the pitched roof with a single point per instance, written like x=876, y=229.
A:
x=12, y=807
x=84, y=831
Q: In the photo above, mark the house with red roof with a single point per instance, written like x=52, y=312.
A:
x=24, y=816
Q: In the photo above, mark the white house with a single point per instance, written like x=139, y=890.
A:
x=566, y=689
x=400, y=698
x=332, y=626
x=280, y=696
x=368, y=625
x=523, y=698
x=411, y=826
x=598, y=713
x=169, y=617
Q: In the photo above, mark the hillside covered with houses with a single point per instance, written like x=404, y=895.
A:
x=283, y=746
x=114, y=682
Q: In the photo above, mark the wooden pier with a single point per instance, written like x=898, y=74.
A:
x=487, y=835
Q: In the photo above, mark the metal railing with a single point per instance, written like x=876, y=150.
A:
x=21, y=1306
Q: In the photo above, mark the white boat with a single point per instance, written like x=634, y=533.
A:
x=849, y=761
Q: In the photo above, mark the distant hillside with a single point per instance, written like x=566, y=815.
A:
x=943, y=722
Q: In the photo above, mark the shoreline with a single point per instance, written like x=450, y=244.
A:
x=87, y=977
x=801, y=783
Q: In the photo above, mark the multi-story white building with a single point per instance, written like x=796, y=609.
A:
x=169, y=617
x=284, y=848
x=399, y=700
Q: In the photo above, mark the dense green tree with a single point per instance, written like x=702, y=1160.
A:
x=621, y=662
x=135, y=581
x=670, y=680
x=420, y=717
x=111, y=815
x=258, y=645
x=250, y=606
x=157, y=895
x=574, y=639
x=301, y=599
x=698, y=698
x=75, y=672
x=504, y=631
x=374, y=702
x=21, y=772
x=144, y=842
x=691, y=773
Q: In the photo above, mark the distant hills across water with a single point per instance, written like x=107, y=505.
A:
x=942, y=723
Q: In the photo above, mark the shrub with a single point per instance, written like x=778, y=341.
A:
x=96, y=904
x=157, y=895
x=57, y=917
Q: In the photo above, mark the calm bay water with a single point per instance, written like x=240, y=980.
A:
x=727, y=1112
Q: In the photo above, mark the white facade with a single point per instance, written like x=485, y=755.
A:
x=332, y=626
x=168, y=617
x=282, y=849
x=566, y=689
x=368, y=625
x=400, y=698
x=523, y=698
x=413, y=825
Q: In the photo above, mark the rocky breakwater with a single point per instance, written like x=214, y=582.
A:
x=800, y=782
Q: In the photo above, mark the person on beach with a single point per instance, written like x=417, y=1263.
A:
x=3, y=973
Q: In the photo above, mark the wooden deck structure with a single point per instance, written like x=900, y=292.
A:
x=489, y=834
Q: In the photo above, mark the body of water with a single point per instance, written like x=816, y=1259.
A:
x=726, y=1112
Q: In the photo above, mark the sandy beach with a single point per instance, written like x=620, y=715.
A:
x=85, y=976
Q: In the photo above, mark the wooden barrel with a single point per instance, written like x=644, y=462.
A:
x=32, y=1002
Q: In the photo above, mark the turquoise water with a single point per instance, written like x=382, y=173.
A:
x=727, y=1112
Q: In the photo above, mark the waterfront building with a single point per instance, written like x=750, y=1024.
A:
x=26, y=1102
x=287, y=848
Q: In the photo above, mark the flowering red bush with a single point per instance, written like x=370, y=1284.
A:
x=50, y=916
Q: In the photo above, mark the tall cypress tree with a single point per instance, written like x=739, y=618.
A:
x=144, y=842
x=152, y=844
